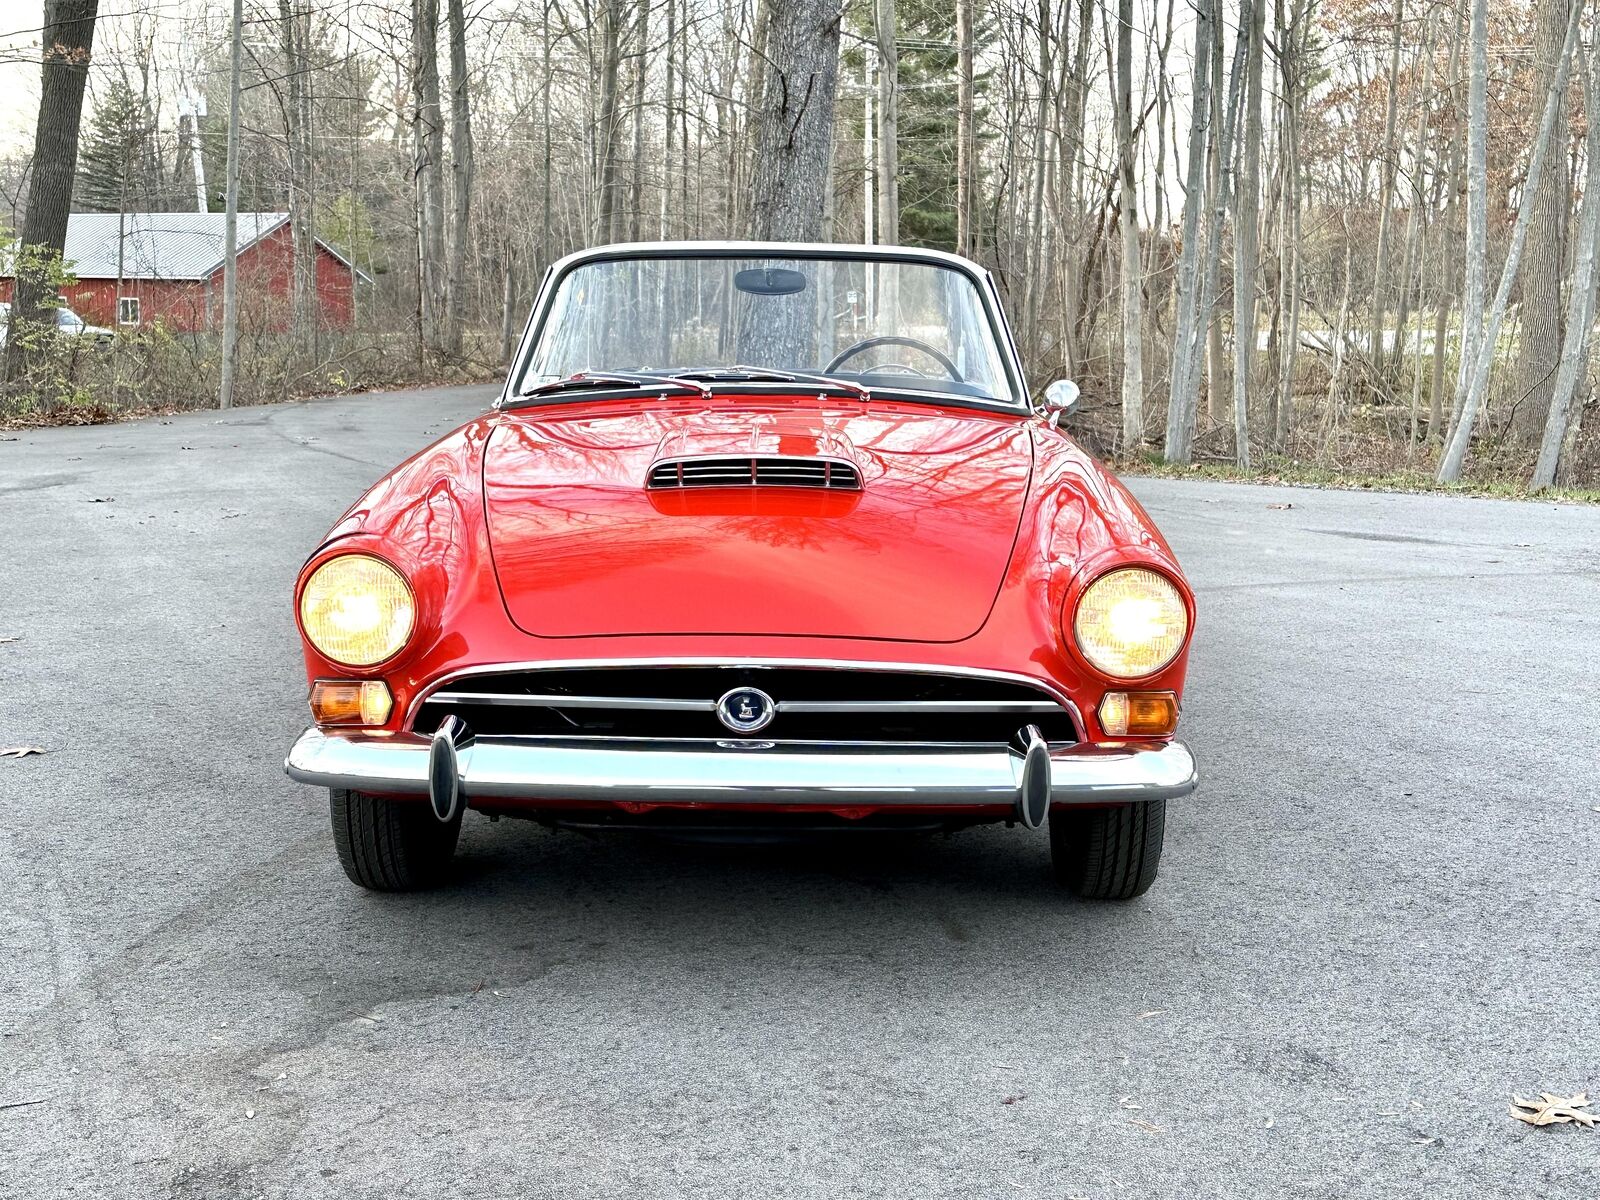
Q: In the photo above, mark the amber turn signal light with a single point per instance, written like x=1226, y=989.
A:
x=352, y=702
x=1139, y=714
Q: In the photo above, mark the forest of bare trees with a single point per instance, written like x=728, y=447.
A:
x=1355, y=237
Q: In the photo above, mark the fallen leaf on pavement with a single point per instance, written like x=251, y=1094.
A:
x=1553, y=1110
x=1014, y=1099
x=22, y=751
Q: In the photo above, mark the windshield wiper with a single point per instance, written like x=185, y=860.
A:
x=602, y=379
x=741, y=374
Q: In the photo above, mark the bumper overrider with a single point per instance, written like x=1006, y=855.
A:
x=455, y=769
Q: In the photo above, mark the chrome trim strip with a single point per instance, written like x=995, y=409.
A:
x=557, y=700
x=552, y=700
x=818, y=664
x=564, y=770
x=914, y=706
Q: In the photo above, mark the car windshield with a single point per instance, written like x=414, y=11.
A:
x=898, y=326
x=68, y=318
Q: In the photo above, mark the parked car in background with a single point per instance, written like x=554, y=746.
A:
x=758, y=539
x=67, y=322
x=70, y=324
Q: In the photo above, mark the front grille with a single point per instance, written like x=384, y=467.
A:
x=831, y=473
x=814, y=704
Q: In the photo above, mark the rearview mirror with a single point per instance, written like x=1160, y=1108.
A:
x=769, y=281
x=1061, y=397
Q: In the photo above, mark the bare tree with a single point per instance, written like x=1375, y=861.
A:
x=64, y=68
x=1539, y=336
x=427, y=166
x=230, y=236
x=1581, y=300
x=794, y=121
x=462, y=167
x=1478, y=383
x=1245, y=234
x=966, y=143
x=888, y=123
x=1132, y=262
x=1187, y=336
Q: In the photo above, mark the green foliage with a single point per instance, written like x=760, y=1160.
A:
x=925, y=32
x=347, y=226
x=928, y=122
x=118, y=160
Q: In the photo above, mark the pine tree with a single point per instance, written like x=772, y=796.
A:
x=115, y=157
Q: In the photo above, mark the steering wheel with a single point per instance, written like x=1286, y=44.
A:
x=912, y=343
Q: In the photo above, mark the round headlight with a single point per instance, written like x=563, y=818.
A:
x=357, y=610
x=1130, y=622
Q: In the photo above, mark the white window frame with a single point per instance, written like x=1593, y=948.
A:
x=122, y=309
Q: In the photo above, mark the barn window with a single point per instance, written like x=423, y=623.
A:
x=127, y=310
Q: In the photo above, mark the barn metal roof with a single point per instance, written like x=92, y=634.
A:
x=178, y=245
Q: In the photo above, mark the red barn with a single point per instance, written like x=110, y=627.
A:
x=135, y=269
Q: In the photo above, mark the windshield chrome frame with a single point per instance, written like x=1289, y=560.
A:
x=988, y=296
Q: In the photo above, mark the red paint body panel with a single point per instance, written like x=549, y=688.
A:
x=987, y=525
x=582, y=548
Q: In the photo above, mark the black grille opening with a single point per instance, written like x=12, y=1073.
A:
x=930, y=722
x=757, y=471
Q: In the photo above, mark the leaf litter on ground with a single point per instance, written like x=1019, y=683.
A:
x=1553, y=1110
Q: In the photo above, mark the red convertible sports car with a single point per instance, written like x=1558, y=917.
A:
x=758, y=540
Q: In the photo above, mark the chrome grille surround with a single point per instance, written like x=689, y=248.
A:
x=756, y=470
x=834, y=702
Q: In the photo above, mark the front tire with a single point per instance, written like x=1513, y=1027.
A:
x=390, y=845
x=1108, y=853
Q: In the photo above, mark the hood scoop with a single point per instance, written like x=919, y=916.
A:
x=771, y=451
x=764, y=471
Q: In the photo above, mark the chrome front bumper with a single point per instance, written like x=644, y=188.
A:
x=543, y=771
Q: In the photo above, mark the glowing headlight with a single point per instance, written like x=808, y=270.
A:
x=357, y=610
x=1130, y=622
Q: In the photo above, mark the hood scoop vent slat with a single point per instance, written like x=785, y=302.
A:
x=756, y=471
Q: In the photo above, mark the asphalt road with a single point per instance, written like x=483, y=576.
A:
x=1378, y=918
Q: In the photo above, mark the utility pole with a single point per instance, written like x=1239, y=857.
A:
x=230, y=223
x=868, y=155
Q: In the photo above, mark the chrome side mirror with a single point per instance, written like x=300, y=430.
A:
x=1061, y=398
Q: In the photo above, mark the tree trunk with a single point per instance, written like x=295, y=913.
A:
x=888, y=124
x=1539, y=340
x=296, y=121
x=606, y=128
x=1217, y=204
x=230, y=220
x=462, y=168
x=1449, y=229
x=1185, y=347
x=427, y=149
x=64, y=68
x=1132, y=263
x=1478, y=384
x=1391, y=165
x=966, y=170
x=641, y=74
x=1574, y=366
x=1477, y=169
x=794, y=123
x=1245, y=234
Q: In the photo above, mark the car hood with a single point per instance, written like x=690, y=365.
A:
x=582, y=547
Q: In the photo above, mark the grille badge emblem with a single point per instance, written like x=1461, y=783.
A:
x=746, y=709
